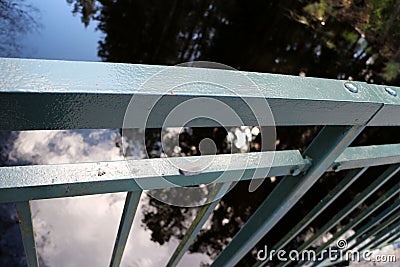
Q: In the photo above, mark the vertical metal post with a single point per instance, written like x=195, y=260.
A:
x=361, y=197
x=28, y=238
x=392, y=240
x=365, y=228
x=378, y=239
x=318, y=209
x=196, y=225
x=369, y=234
x=368, y=211
x=128, y=214
x=385, y=240
x=371, y=224
x=326, y=147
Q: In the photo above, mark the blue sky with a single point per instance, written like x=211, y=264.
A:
x=62, y=35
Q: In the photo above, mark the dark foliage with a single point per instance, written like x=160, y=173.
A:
x=320, y=39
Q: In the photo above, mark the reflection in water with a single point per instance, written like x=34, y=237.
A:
x=71, y=231
x=44, y=147
x=81, y=231
x=322, y=38
x=308, y=38
x=17, y=18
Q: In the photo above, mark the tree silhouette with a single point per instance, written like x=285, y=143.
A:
x=17, y=17
x=329, y=39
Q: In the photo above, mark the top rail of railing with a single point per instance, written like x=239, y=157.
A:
x=51, y=94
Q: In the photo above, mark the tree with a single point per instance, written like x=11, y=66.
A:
x=377, y=22
x=328, y=39
x=17, y=17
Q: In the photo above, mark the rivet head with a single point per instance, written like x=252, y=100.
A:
x=336, y=167
x=296, y=171
x=351, y=87
x=390, y=91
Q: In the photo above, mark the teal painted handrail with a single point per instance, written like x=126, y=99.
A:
x=83, y=95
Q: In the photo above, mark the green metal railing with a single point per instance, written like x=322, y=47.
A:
x=48, y=95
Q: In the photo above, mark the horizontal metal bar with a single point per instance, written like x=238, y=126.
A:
x=387, y=116
x=28, y=236
x=362, y=156
x=88, y=95
x=51, y=181
x=318, y=209
x=48, y=181
x=128, y=214
x=325, y=148
x=360, y=198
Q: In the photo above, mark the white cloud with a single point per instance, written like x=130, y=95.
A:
x=80, y=231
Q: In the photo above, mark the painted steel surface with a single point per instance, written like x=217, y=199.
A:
x=93, y=95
